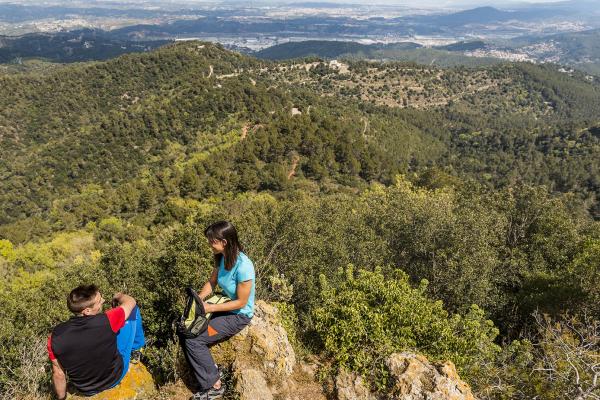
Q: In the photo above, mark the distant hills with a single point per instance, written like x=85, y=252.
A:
x=406, y=51
x=486, y=15
x=329, y=49
x=319, y=26
x=80, y=45
x=580, y=50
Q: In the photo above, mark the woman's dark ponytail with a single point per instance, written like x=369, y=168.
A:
x=224, y=230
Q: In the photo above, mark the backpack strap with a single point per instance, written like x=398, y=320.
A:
x=192, y=293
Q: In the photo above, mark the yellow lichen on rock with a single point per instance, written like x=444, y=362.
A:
x=137, y=384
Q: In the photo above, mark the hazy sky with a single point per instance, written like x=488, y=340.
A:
x=410, y=3
x=396, y=2
x=441, y=3
x=445, y=3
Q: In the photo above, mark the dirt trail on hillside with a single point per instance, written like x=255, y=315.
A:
x=246, y=129
x=295, y=161
x=244, y=132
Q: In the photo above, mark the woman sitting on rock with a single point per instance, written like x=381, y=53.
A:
x=234, y=273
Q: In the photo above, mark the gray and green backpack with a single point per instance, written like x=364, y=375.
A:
x=194, y=319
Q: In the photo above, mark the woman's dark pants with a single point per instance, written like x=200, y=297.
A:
x=196, y=350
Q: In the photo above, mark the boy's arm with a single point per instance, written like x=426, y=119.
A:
x=124, y=301
x=59, y=380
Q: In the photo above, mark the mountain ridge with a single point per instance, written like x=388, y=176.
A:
x=98, y=126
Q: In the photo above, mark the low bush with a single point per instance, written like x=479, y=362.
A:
x=365, y=317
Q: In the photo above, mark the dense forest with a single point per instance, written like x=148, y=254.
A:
x=70, y=46
x=458, y=206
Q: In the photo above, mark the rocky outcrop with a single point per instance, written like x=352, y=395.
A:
x=413, y=378
x=263, y=361
x=416, y=378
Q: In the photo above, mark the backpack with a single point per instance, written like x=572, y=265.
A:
x=194, y=319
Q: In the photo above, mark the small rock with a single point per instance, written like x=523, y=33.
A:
x=251, y=385
x=351, y=386
x=309, y=369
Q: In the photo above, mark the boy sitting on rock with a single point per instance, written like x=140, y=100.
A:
x=94, y=348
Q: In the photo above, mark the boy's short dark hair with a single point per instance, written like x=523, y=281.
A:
x=81, y=298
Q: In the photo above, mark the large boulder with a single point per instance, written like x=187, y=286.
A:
x=263, y=361
x=415, y=378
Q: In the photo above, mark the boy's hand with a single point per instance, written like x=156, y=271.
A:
x=115, y=300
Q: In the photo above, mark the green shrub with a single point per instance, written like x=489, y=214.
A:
x=288, y=318
x=370, y=315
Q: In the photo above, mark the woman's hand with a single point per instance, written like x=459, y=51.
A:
x=243, y=293
x=208, y=308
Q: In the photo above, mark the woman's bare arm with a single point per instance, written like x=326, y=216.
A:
x=243, y=294
x=210, y=285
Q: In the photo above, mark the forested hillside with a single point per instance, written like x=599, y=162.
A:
x=499, y=124
x=403, y=51
x=457, y=207
x=70, y=46
x=173, y=115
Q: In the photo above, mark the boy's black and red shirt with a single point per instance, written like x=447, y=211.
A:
x=86, y=348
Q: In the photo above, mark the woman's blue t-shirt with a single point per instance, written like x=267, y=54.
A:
x=242, y=271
